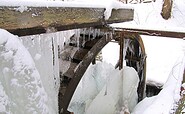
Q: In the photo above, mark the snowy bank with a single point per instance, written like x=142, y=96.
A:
x=166, y=100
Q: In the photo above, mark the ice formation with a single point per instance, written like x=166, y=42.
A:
x=103, y=90
x=44, y=49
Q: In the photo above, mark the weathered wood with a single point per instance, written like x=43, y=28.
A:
x=80, y=53
x=183, y=76
x=161, y=33
x=69, y=70
x=35, y=20
x=90, y=44
x=121, y=43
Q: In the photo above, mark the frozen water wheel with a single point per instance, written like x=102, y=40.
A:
x=136, y=58
x=74, y=61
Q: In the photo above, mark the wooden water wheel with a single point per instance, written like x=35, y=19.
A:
x=78, y=55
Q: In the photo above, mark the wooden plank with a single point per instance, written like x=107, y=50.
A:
x=79, y=55
x=161, y=33
x=35, y=20
x=183, y=76
x=121, y=43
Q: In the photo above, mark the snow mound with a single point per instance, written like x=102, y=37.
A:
x=20, y=84
x=164, y=102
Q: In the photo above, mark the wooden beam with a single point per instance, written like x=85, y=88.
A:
x=35, y=20
x=161, y=33
x=183, y=76
x=121, y=43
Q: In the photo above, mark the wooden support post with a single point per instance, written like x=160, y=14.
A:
x=183, y=77
x=121, y=43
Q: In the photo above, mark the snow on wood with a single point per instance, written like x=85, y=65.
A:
x=24, y=18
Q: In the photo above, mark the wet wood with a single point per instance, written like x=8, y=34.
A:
x=36, y=20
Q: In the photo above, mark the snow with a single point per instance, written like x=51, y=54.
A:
x=37, y=56
x=20, y=82
x=165, y=51
x=147, y=16
x=165, y=56
x=108, y=51
x=24, y=5
x=44, y=50
x=169, y=95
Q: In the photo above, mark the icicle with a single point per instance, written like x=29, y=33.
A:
x=77, y=36
x=98, y=32
x=32, y=39
x=84, y=33
x=94, y=33
x=89, y=32
x=106, y=35
x=126, y=45
x=111, y=35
